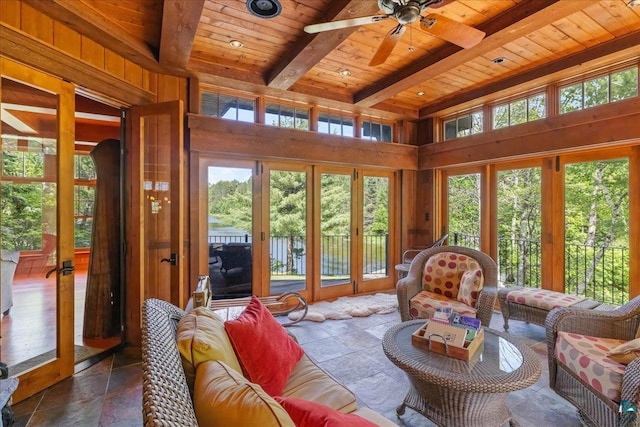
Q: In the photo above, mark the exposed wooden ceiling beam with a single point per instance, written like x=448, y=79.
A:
x=311, y=48
x=180, y=19
x=514, y=23
x=629, y=41
x=84, y=19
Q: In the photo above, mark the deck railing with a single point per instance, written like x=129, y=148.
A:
x=288, y=253
x=599, y=273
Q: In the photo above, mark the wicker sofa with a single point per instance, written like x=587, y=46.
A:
x=581, y=368
x=167, y=400
x=417, y=300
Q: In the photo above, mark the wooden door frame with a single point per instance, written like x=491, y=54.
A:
x=62, y=366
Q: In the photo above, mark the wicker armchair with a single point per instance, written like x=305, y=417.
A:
x=594, y=408
x=411, y=285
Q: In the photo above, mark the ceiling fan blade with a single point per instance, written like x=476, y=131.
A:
x=451, y=31
x=345, y=23
x=388, y=43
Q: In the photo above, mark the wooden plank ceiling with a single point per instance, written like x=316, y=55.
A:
x=423, y=75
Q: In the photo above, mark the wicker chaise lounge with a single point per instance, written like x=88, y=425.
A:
x=595, y=406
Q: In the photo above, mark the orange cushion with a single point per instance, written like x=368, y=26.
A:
x=266, y=352
x=306, y=413
x=626, y=352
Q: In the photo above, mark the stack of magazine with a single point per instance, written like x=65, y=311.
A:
x=452, y=327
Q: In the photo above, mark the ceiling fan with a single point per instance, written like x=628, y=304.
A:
x=407, y=12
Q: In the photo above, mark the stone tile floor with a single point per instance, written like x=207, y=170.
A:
x=110, y=392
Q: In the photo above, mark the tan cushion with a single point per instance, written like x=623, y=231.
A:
x=223, y=397
x=471, y=284
x=586, y=357
x=423, y=305
x=201, y=337
x=626, y=353
x=309, y=382
x=543, y=298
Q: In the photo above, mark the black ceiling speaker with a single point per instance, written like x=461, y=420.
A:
x=264, y=8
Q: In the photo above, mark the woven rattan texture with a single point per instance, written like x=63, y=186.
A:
x=453, y=392
x=411, y=285
x=165, y=396
x=622, y=323
x=514, y=311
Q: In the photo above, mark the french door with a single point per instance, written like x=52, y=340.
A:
x=156, y=263
x=37, y=227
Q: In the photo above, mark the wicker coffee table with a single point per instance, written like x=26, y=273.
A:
x=452, y=392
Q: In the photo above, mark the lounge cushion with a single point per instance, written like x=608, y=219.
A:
x=311, y=414
x=626, y=352
x=201, y=337
x=471, y=284
x=266, y=352
x=223, y=397
x=309, y=382
x=587, y=358
x=542, y=298
x=424, y=305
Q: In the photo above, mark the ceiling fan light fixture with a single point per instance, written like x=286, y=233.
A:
x=264, y=8
x=236, y=43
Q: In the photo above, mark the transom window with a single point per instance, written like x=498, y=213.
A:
x=335, y=124
x=228, y=107
x=287, y=117
x=600, y=90
x=376, y=131
x=520, y=111
x=464, y=125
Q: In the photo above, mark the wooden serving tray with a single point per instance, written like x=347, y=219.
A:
x=436, y=345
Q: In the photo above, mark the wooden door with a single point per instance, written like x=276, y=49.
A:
x=155, y=231
x=37, y=151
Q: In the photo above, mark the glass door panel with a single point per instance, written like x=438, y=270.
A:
x=289, y=222
x=335, y=230
x=229, y=235
x=597, y=230
x=463, y=201
x=37, y=230
x=519, y=227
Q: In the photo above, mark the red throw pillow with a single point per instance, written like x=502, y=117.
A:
x=306, y=413
x=266, y=352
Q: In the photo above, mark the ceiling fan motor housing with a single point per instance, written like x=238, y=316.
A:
x=404, y=11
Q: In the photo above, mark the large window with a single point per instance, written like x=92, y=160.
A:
x=84, y=199
x=228, y=107
x=600, y=90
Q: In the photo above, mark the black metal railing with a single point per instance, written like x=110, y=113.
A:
x=288, y=255
x=599, y=273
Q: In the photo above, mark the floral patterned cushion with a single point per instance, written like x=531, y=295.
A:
x=470, y=286
x=443, y=271
x=542, y=298
x=424, y=305
x=587, y=357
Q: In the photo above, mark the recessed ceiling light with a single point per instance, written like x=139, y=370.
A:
x=420, y=93
x=633, y=3
x=498, y=60
x=264, y=8
x=236, y=43
x=345, y=73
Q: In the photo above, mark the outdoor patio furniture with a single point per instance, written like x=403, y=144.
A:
x=533, y=304
x=419, y=293
x=580, y=370
x=453, y=392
